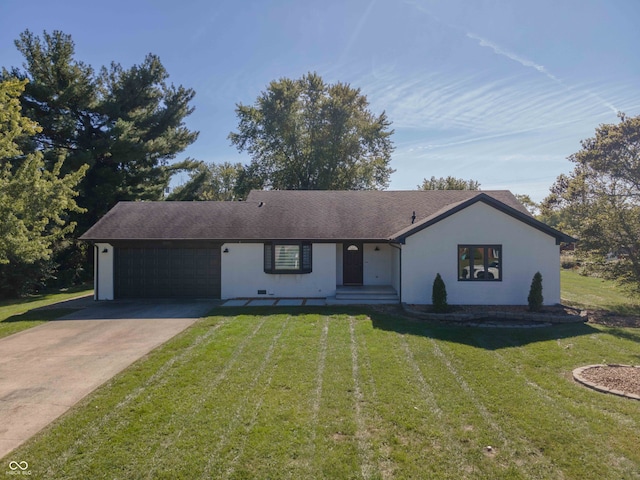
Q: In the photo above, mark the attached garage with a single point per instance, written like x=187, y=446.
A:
x=167, y=271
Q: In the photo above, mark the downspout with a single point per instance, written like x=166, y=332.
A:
x=400, y=272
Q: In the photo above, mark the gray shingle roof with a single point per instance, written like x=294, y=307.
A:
x=282, y=215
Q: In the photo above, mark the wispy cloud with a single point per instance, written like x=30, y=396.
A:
x=477, y=104
x=505, y=132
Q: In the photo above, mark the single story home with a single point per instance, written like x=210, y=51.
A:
x=328, y=244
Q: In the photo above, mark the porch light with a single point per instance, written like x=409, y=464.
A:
x=106, y=250
x=226, y=250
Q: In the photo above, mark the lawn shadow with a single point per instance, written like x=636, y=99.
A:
x=501, y=337
x=394, y=319
x=624, y=333
x=38, y=314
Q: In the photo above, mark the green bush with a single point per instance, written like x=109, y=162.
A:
x=439, y=295
x=535, y=298
x=568, y=261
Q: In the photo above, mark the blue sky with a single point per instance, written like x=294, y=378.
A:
x=500, y=91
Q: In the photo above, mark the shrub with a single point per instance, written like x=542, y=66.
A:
x=568, y=261
x=439, y=295
x=535, y=293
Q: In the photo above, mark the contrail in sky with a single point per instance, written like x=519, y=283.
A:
x=498, y=50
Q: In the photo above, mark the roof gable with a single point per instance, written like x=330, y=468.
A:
x=452, y=209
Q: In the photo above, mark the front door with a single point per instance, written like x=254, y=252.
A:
x=352, y=264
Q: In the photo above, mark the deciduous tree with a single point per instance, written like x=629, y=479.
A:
x=449, y=183
x=34, y=201
x=210, y=182
x=305, y=134
x=599, y=201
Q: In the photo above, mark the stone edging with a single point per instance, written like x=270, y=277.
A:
x=471, y=318
x=577, y=375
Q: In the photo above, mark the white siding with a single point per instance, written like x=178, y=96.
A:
x=525, y=250
x=103, y=272
x=377, y=268
x=243, y=273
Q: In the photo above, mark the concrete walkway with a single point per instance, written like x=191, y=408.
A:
x=272, y=302
x=45, y=370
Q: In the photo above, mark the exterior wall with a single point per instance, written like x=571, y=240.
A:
x=379, y=267
x=525, y=250
x=103, y=271
x=377, y=264
x=243, y=273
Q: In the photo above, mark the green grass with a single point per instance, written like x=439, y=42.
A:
x=17, y=315
x=596, y=293
x=349, y=393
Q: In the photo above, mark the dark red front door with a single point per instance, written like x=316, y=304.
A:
x=352, y=264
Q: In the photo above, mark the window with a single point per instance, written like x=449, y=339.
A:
x=289, y=257
x=480, y=263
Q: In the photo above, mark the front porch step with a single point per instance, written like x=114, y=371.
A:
x=364, y=295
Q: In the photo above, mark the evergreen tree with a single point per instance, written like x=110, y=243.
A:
x=439, y=295
x=535, y=297
x=124, y=124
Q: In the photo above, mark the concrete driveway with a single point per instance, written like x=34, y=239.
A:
x=45, y=370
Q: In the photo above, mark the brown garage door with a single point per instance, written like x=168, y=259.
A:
x=167, y=272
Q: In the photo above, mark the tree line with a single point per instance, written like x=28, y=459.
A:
x=74, y=141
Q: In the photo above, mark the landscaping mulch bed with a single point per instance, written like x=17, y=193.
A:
x=618, y=379
x=498, y=315
x=610, y=319
x=601, y=317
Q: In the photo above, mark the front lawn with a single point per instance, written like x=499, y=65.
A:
x=20, y=314
x=339, y=394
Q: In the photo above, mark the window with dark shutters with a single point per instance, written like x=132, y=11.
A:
x=287, y=257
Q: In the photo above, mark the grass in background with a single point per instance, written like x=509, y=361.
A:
x=21, y=314
x=596, y=293
x=348, y=393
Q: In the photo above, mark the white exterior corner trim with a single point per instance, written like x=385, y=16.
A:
x=103, y=272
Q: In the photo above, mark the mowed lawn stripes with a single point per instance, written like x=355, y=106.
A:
x=343, y=394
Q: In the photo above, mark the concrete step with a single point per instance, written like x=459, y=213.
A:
x=355, y=296
x=361, y=301
x=364, y=295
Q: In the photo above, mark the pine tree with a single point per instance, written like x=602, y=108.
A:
x=439, y=295
x=535, y=297
x=124, y=124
